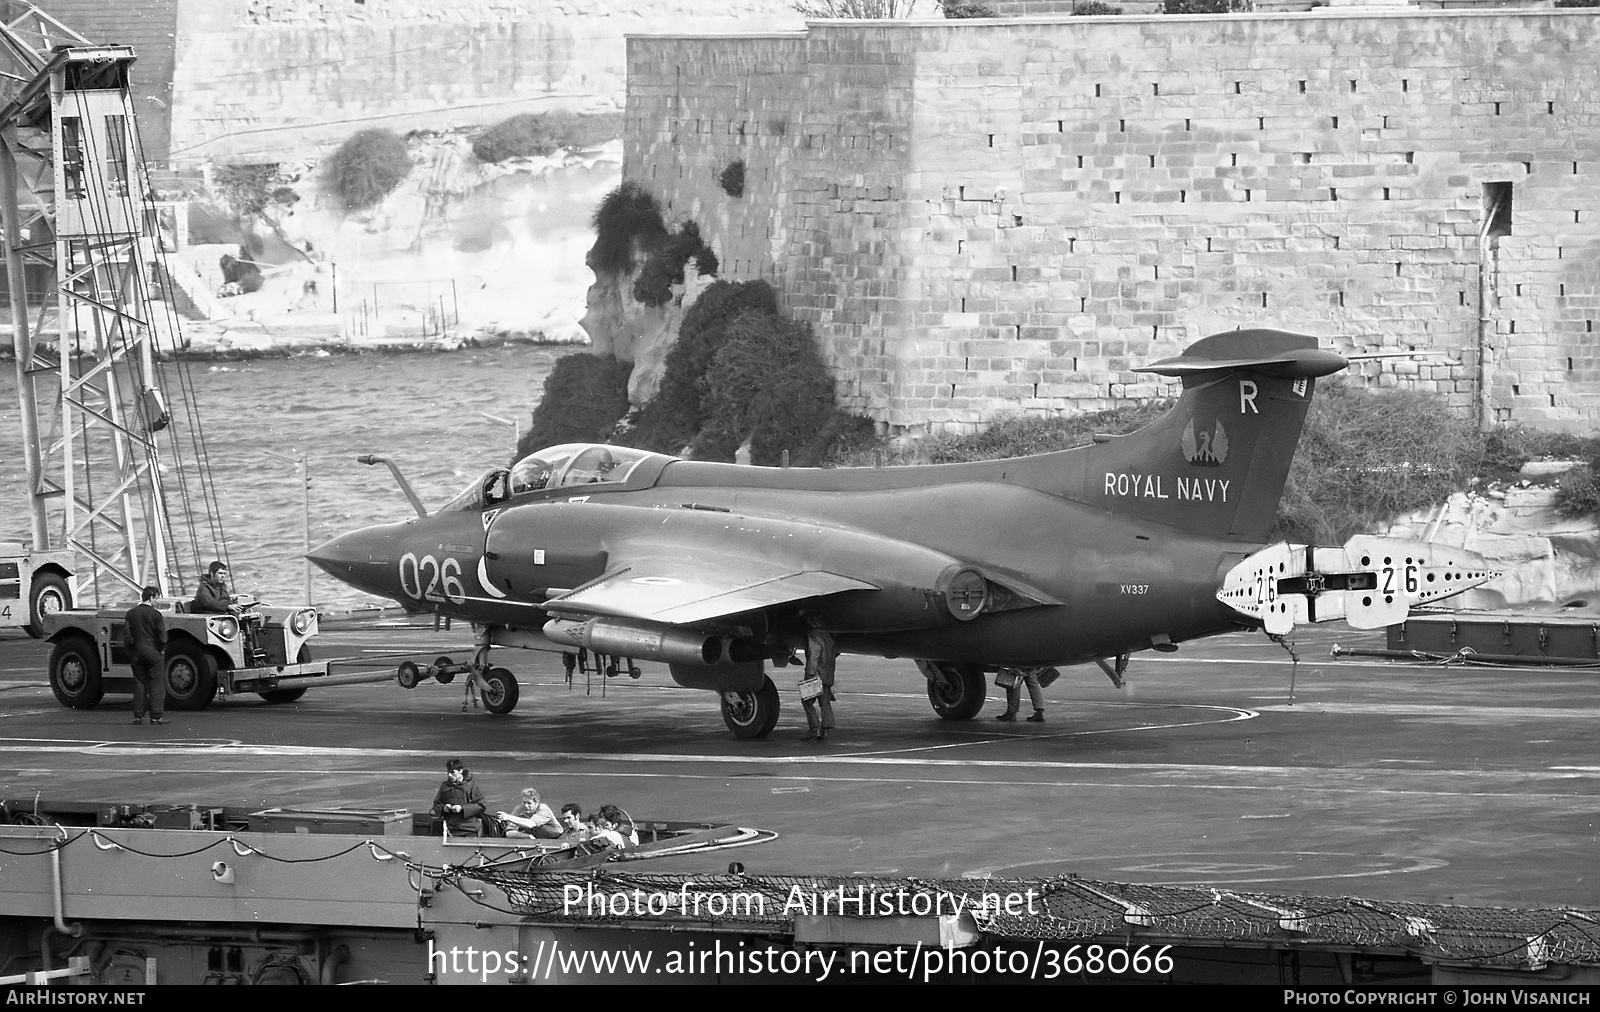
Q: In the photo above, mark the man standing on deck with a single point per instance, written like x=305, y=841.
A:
x=144, y=636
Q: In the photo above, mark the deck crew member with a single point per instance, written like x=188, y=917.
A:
x=459, y=801
x=1012, y=680
x=145, y=638
x=531, y=818
x=816, y=686
x=212, y=597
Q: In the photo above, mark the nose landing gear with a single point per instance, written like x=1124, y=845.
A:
x=495, y=687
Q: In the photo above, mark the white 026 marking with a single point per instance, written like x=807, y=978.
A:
x=444, y=581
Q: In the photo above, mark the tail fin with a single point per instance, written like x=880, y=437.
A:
x=1217, y=462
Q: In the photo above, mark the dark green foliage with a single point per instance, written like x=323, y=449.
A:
x=1578, y=3
x=367, y=167
x=531, y=134
x=732, y=179
x=956, y=9
x=1506, y=449
x=1579, y=494
x=246, y=190
x=1094, y=8
x=1006, y=436
x=675, y=415
x=627, y=215
x=1365, y=458
x=664, y=268
x=1207, y=6
x=766, y=383
x=584, y=396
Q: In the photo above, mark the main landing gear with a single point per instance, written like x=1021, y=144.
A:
x=957, y=691
x=496, y=688
x=751, y=714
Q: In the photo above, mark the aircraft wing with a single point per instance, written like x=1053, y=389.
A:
x=675, y=592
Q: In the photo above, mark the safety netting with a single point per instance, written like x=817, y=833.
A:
x=1060, y=908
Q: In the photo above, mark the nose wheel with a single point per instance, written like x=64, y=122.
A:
x=493, y=688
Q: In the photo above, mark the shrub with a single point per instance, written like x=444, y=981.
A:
x=1578, y=3
x=957, y=9
x=530, y=134
x=732, y=179
x=1094, y=8
x=664, y=268
x=675, y=415
x=368, y=167
x=1005, y=436
x=1579, y=494
x=1365, y=458
x=1208, y=6
x=584, y=396
x=766, y=383
x=247, y=190
x=627, y=216
x=855, y=8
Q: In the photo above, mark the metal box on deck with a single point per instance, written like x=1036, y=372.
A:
x=1553, y=638
x=348, y=821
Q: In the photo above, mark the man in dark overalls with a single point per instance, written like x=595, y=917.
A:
x=145, y=637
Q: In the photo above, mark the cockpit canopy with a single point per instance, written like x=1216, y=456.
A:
x=564, y=466
x=575, y=464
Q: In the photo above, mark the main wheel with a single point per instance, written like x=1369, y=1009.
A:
x=49, y=594
x=500, y=691
x=751, y=714
x=75, y=673
x=289, y=695
x=191, y=676
x=956, y=691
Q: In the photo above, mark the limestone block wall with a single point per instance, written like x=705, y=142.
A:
x=1010, y=214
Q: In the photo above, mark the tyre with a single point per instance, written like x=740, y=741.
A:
x=408, y=675
x=191, y=676
x=49, y=594
x=751, y=714
x=500, y=691
x=958, y=691
x=289, y=695
x=75, y=672
x=440, y=676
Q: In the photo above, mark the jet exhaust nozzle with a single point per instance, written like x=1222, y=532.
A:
x=640, y=642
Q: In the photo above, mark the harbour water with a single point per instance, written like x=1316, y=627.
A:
x=426, y=411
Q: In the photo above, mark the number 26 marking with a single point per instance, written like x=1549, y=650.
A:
x=443, y=585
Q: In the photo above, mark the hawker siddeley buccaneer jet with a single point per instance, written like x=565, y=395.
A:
x=1134, y=542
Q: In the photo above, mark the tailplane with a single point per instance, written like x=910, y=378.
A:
x=1217, y=462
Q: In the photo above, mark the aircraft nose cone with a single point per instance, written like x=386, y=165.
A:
x=360, y=558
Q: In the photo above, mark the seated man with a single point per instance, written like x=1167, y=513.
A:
x=616, y=827
x=459, y=801
x=577, y=830
x=532, y=818
x=212, y=597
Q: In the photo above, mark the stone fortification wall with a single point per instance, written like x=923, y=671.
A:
x=266, y=80
x=991, y=215
x=150, y=27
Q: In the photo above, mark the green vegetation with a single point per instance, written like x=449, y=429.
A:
x=673, y=419
x=768, y=383
x=855, y=8
x=1578, y=3
x=1006, y=436
x=584, y=397
x=664, y=267
x=1363, y=459
x=531, y=134
x=247, y=190
x=368, y=167
x=627, y=217
x=1208, y=6
x=957, y=9
x=1094, y=8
